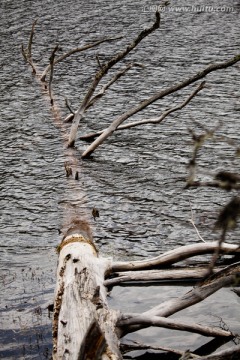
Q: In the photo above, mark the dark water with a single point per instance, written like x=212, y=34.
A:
x=136, y=178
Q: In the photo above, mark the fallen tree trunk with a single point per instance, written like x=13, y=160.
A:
x=83, y=325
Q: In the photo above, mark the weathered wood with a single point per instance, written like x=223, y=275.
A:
x=175, y=274
x=225, y=277
x=175, y=324
x=174, y=256
x=74, y=51
x=83, y=325
x=27, y=53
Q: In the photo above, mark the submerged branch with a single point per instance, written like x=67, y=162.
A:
x=51, y=72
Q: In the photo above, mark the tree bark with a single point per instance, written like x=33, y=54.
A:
x=83, y=325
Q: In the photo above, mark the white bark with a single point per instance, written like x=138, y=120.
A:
x=195, y=273
x=83, y=325
x=174, y=256
x=102, y=72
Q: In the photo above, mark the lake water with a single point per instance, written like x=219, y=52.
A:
x=135, y=179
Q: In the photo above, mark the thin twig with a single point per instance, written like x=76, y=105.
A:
x=111, y=82
x=193, y=224
x=27, y=53
x=69, y=106
x=75, y=50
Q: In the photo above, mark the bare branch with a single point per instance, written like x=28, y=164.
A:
x=102, y=72
x=223, y=354
x=27, y=53
x=31, y=39
x=147, y=321
x=135, y=345
x=222, y=278
x=69, y=106
x=151, y=120
x=156, y=120
x=159, y=95
x=75, y=50
x=125, y=348
x=193, y=223
x=174, y=256
x=98, y=61
x=175, y=274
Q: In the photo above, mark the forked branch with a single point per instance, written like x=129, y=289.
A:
x=27, y=53
x=74, y=51
x=155, y=120
x=159, y=95
x=103, y=71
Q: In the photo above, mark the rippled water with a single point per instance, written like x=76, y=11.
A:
x=136, y=178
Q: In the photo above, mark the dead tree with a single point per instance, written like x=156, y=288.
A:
x=84, y=326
